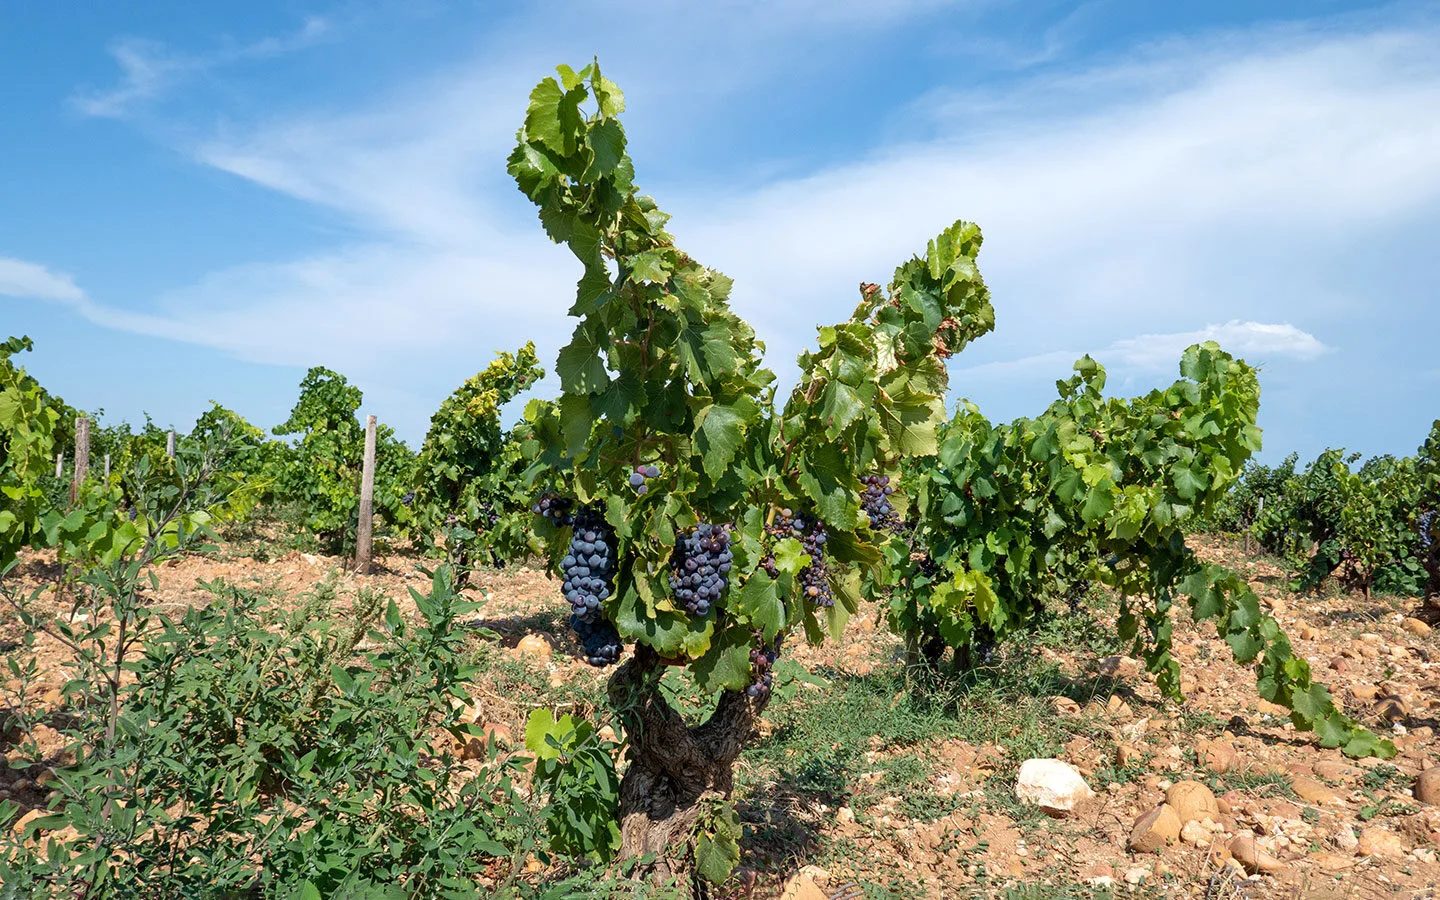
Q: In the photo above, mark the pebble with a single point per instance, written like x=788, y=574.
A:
x=1192, y=801
x=1375, y=841
x=1155, y=829
x=1251, y=857
x=1427, y=786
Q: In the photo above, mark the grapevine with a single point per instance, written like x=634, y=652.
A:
x=659, y=368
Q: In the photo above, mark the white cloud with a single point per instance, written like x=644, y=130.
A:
x=32, y=281
x=1255, y=342
x=1223, y=180
x=148, y=68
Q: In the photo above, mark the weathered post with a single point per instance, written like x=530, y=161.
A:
x=60, y=464
x=82, y=456
x=170, y=444
x=364, y=537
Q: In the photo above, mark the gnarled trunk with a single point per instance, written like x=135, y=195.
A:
x=674, y=767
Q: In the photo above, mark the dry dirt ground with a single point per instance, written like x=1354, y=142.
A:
x=925, y=806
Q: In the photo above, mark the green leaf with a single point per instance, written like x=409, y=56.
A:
x=759, y=602
x=726, y=664
x=579, y=366
x=716, y=855
x=719, y=431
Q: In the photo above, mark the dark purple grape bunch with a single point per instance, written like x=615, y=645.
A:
x=489, y=518
x=408, y=499
x=699, y=567
x=814, y=578
x=555, y=508
x=599, y=638
x=640, y=475
x=762, y=661
x=588, y=569
x=1429, y=529
x=875, y=500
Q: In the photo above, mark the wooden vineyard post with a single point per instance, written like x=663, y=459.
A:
x=60, y=464
x=170, y=444
x=82, y=456
x=364, y=537
x=107, y=467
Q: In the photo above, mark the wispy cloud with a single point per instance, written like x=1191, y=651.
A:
x=1223, y=180
x=1256, y=342
x=148, y=69
x=19, y=278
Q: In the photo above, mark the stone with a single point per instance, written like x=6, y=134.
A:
x=1064, y=706
x=19, y=827
x=1136, y=875
x=1427, y=786
x=1392, y=708
x=1313, y=791
x=1330, y=862
x=1192, y=801
x=1344, y=838
x=1126, y=755
x=1414, y=625
x=1331, y=770
x=1362, y=691
x=1218, y=756
x=1251, y=857
x=1195, y=833
x=1157, y=828
x=1120, y=667
x=1375, y=841
x=1052, y=785
x=805, y=885
x=534, y=645
x=500, y=733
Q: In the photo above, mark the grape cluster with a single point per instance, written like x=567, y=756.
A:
x=814, y=578
x=698, y=566
x=488, y=516
x=408, y=499
x=588, y=570
x=875, y=500
x=640, y=475
x=555, y=508
x=1426, y=524
x=762, y=660
x=599, y=638
x=589, y=567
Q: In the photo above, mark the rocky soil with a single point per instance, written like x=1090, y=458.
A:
x=1219, y=797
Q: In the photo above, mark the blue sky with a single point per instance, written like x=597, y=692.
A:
x=202, y=200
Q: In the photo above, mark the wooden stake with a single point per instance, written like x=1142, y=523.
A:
x=82, y=456
x=170, y=444
x=366, y=531
x=60, y=464
x=107, y=467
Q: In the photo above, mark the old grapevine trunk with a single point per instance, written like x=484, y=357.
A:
x=674, y=767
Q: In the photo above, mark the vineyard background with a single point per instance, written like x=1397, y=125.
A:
x=209, y=692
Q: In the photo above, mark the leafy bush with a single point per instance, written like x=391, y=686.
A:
x=272, y=752
x=1097, y=490
x=322, y=471
x=1358, y=526
x=468, y=468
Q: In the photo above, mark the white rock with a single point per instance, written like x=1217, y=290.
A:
x=1051, y=785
